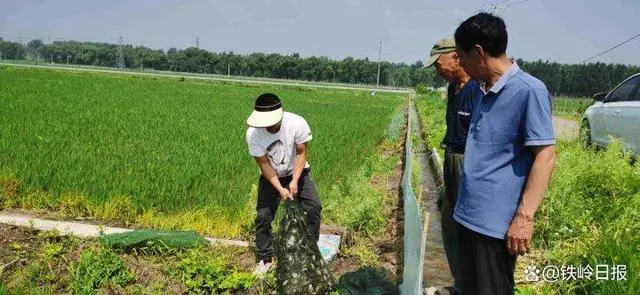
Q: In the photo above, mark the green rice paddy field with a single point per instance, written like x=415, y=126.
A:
x=169, y=152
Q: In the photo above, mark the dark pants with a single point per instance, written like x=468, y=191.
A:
x=486, y=265
x=268, y=200
x=450, y=232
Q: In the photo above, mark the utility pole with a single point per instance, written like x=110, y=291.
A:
x=198, y=42
x=50, y=53
x=379, y=59
x=229, y=70
x=120, y=57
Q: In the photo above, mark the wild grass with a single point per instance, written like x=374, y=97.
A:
x=589, y=217
x=571, y=107
x=431, y=109
x=55, y=264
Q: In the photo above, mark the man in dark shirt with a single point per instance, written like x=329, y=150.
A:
x=461, y=93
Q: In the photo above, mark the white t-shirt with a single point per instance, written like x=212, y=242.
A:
x=280, y=147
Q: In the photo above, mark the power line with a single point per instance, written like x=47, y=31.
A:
x=516, y=3
x=499, y=6
x=612, y=48
x=493, y=6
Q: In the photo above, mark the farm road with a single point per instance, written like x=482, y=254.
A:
x=565, y=129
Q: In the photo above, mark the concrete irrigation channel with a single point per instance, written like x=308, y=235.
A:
x=436, y=268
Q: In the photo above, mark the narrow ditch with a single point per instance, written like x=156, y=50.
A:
x=436, y=268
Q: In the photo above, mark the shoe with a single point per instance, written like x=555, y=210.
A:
x=449, y=290
x=262, y=268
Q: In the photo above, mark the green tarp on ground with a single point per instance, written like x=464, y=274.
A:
x=139, y=239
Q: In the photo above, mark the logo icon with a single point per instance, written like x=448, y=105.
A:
x=531, y=273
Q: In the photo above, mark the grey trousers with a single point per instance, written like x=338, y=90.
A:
x=453, y=164
x=268, y=201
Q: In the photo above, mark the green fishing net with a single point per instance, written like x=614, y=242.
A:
x=300, y=268
x=366, y=281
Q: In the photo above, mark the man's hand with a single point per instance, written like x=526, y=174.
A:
x=293, y=187
x=519, y=235
x=285, y=194
x=521, y=227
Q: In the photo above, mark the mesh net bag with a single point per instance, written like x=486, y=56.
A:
x=300, y=268
x=366, y=281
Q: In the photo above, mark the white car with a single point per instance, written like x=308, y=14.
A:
x=615, y=115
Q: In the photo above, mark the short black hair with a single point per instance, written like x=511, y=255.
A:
x=267, y=99
x=484, y=29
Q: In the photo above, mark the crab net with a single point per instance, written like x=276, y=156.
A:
x=300, y=268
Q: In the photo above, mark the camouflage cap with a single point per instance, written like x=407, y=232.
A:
x=442, y=46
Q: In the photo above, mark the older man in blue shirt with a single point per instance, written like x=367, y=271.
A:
x=510, y=156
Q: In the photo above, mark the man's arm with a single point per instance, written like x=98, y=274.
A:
x=301, y=159
x=270, y=174
x=521, y=228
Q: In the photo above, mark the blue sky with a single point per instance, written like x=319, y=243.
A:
x=561, y=30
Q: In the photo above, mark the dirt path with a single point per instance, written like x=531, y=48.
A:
x=436, y=268
x=246, y=80
x=82, y=229
x=566, y=129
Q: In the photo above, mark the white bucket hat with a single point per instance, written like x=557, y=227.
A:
x=267, y=111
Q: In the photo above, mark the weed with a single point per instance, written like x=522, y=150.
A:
x=99, y=269
x=571, y=107
x=363, y=250
x=119, y=208
x=9, y=189
x=38, y=201
x=590, y=216
x=74, y=205
x=431, y=112
x=51, y=251
x=203, y=273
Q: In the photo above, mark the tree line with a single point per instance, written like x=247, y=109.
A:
x=195, y=60
x=578, y=79
x=561, y=79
